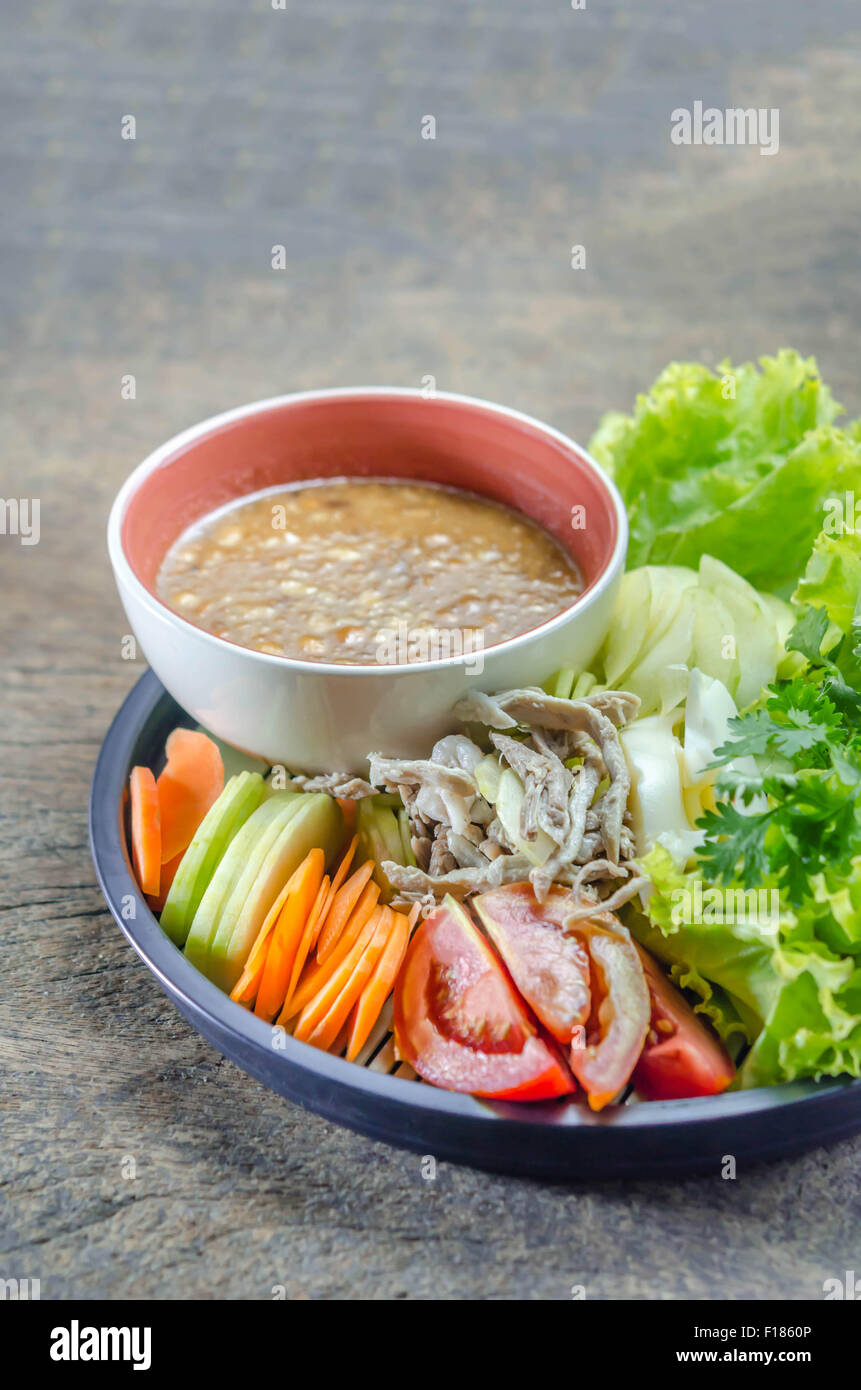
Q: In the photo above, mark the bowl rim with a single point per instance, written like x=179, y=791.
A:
x=128, y=580
x=191, y=990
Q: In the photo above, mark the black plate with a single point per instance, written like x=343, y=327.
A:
x=554, y=1140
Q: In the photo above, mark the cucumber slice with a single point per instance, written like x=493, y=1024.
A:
x=379, y=828
x=390, y=833
x=371, y=844
x=406, y=837
x=383, y=799
x=585, y=682
x=562, y=683
x=241, y=795
x=243, y=856
x=502, y=787
x=316, y=822
x=508, y=804
x=487, y=774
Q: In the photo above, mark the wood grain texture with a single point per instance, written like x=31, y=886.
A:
x=404, y=258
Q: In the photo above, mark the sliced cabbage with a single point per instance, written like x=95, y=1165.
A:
x=708, y=711
x=670, y=619
x=660, y=677
x=656, y=801
x=672, y=781
x=502, y=787
x=715, y=649
x=754, y=630
x=629, y=628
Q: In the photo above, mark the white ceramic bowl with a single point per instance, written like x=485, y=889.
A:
x=316, y=716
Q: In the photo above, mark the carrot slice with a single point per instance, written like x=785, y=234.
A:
x=192, y=779
x=337, y=879
x=348, y=807
x=337, y=1048
x=318, y=1010
x=307, y=937
x=329, y=1028
x=303, y=889
x=168, y=874
x=315, y=976
x=330, y=979
x=369, y=1005
x=342, y=906
x=368, y=899
x=246, y=987
x=346, y=860
x=146, y=830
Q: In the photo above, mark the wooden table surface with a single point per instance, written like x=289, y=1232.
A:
x=404, y=258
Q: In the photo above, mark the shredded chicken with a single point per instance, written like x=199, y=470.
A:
x=339, y=784
x=620, y=706
x=442, y=861
x=580, y=799
x=414, y=885
x=595, y=717
x=532, y=707
x=478, y=708
x=585, y=908
x=569, y=759
x=597, y=869
x=441, y=793
x=547, y=782
x=456, y=750
x=466, y=854
x=496, y=834
x=421, y=847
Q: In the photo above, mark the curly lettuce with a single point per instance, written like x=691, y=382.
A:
x=737, y=463
x=786, y=989
x=832, y=579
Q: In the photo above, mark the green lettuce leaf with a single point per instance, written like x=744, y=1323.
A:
x=782, y=986
x=832, y=913
x=832, y=579
x=828, y=596
x=716, y=462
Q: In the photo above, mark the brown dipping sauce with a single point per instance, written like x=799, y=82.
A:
x=366, y=572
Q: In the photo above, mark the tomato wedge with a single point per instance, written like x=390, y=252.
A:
x=549, y=966
x=459, y=1022
x=604, y=1060
x=681, y=1057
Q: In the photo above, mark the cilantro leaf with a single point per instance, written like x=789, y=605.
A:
x=798, y=720
x=810, y=778
x=752, y=734
x=735, y=844
x=808, y=634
